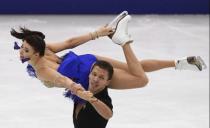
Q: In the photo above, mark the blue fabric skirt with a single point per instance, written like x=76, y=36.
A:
x=77, y=68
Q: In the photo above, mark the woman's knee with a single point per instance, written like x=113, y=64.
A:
x=142, y=81
x=146, y=80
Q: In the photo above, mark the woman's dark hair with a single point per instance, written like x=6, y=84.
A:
x=33, y=38
x=106, y=66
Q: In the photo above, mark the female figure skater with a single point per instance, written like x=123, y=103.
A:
x=54, y=71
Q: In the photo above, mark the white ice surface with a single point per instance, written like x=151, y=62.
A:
x=172, y=99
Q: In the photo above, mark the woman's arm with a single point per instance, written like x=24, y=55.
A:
x=78, y=40
x=54, y=77
x=58, y=80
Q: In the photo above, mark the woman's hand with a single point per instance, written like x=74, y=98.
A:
x=76, y=87
x=86, y=95
x=104, y=31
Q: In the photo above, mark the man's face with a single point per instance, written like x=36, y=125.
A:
x=98, y=79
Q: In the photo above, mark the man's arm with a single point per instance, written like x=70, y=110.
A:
x=101, y=108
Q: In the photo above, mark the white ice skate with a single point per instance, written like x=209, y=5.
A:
x=116, y=20
x=194, y=63
x=121, y=35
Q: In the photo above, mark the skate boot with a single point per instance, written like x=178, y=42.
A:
x=117, y=19
x=194, y=63
x=121, y=36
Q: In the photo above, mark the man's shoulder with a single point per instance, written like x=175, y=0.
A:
x=104, y=97
x=103, y=92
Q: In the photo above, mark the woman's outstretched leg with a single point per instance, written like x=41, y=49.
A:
x=151, y=65
x=148, y=65
x=193, y=63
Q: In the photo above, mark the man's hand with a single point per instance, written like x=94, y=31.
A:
x=86, y=95
x=78, y=90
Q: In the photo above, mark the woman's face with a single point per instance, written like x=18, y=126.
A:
x=26, y=51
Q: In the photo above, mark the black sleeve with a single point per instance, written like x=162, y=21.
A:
x=104, y=97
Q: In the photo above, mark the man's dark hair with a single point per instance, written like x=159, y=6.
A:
x=34, y=38
x=106, y=66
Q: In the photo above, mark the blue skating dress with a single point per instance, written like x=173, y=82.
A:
x=75, y=67
x=78, y=69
